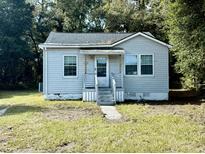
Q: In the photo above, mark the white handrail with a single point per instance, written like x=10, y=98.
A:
x=84, y=80
x=118, y=79
x=96, y=87
x=113, y=88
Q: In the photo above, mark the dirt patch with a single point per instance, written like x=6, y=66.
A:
x=69, y=114
x=192, y=112
x=5, y=134
x=121, y=120
x=65, y=147
x=3, y=139
x=28, y=150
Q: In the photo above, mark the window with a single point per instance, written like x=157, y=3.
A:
x=146, y=64
x=101, y=67
x=70, y=66
x=131, y=65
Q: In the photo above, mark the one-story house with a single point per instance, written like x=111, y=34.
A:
x=105, y=67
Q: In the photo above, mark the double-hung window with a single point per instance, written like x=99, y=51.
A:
x=146, y=64
x=70, y=66
x=131, y=65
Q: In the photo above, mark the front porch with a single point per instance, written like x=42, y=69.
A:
x=103, y=77
x=90, y=95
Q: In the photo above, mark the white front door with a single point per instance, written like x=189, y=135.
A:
x=102, y=69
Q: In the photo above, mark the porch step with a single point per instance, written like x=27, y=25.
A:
x=105, y=97
x=105, y=89
x=105, y=92
x=105, y=103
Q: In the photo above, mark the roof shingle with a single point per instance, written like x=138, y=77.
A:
x=85, y=38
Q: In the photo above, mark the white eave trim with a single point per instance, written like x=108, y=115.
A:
x=100, y=51
x=45, y=46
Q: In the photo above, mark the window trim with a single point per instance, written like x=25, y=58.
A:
x=75, y=76
x=143, y=75
x=139, y=66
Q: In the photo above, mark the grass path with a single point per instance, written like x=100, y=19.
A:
x=34, y=125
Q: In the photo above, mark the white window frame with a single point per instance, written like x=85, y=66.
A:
x=75, y=76
x=141, y=63
x=139, y=66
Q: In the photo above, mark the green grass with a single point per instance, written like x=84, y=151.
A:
x=32, y=124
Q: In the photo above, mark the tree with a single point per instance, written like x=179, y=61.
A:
x=77, y=14
x=119, y=15
x=15, y=55
x=135, y=16
x=186, y=21
x=44, y=21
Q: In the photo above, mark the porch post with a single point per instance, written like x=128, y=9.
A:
x=85, y=64
x=122, y=70
x=84, y=77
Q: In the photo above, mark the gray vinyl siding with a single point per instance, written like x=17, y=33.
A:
x=159, y=83
x=90, y=64
x=44, y=72
x=57, y=83
x=114, y=63
x=115, y=66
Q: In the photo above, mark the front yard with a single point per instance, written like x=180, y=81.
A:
x=34, y=125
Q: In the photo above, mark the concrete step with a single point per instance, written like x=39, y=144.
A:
x=106, y=103
x=105, y=97
x=104, y=89
x=104, y=92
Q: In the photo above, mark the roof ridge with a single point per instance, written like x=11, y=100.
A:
x=93, y=32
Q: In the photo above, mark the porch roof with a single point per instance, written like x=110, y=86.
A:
x=102, y=51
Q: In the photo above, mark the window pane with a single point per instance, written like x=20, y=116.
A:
x=101, y=72
x=131, y=65
x=70, y=71
x=131, y=59
x=131, y=70
x=70, y=68
x=101, y=67
x=146, y=69
x=146, y=59
x=70, y=60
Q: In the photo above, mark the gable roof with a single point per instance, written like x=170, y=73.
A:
x=85, y=38
x=63, y=40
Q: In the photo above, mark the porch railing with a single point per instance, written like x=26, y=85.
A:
x=89, y=80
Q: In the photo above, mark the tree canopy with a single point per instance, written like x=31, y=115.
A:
x=186, y=22
x=15, y=52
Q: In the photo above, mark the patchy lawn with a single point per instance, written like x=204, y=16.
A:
x=34, y=125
